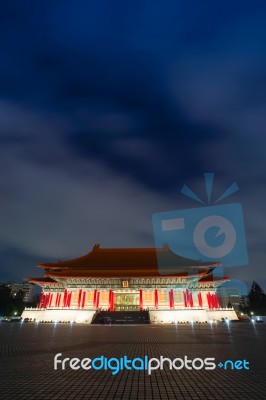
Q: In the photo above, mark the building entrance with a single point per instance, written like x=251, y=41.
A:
x=126, y=302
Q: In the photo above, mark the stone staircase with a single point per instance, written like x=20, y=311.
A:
x=121, y=317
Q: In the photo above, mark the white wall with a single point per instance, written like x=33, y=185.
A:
x=156, y=316
x=162, y=317
x=59, y=315
x=219, y=314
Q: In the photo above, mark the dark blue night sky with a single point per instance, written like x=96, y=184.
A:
x=108, y=108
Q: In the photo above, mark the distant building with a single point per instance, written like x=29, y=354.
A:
x=230, y=297
x=24, y=288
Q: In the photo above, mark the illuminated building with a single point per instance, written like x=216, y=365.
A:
x=128, y=279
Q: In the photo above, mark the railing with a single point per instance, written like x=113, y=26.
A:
x=59, y=308
x=160, y=308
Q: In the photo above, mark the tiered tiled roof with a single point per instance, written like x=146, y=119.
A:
x=127, y=262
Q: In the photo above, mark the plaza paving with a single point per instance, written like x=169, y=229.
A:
x=27, y=352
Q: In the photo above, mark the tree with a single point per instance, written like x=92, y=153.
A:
x=4, y=299
x=244, y=305
x=9, y=305
x=257, y=299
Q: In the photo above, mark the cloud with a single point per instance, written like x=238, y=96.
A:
x=61, y=207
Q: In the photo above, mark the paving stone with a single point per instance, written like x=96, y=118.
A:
x=27, y=352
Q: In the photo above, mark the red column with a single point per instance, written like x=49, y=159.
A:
x=140, y=300
x=111, y=305
x=188, y=297
x=210, y=300
x=44, y=300
x=113, y=301
x=83, y=299
x=41, y=300
x=156, y=298
x=200, y=299
x=170, y=299
x=110, y=300
x=69, y=299
x=65, y=299
x=79, y=298
x=191, y=299
x=95, y=298
x=59, y=300
x=215, y=300
x=50, y=300
x=185, y=299
x=173, y=299
x=47, y=297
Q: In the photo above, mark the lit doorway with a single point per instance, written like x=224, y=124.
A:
x=126, y=301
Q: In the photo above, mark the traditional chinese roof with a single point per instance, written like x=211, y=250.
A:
x=126, y=262
x=211, y=278
x=126, y=273
x=41, y=281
